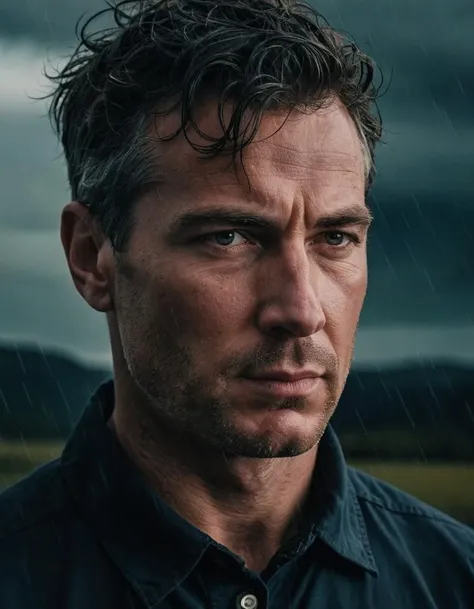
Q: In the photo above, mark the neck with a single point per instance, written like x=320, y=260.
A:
x=248, y=505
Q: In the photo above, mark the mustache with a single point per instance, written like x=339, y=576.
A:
x=300, y=354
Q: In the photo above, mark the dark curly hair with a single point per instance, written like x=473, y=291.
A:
x=165, y=55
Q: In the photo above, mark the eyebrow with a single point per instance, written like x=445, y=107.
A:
x=352, y=215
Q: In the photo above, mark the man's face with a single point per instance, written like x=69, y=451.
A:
x=237, y=302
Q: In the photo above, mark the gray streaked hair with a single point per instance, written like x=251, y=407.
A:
x=270, y=55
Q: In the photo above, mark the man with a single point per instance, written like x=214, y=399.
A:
x=219, y=156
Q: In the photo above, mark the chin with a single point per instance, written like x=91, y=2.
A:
x=280, y=434
x=268, y=448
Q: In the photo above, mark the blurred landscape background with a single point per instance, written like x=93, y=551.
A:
x=407, y=413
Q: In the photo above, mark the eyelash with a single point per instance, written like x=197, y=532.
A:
x=353, y=238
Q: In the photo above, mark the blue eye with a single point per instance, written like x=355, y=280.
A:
x=225, y=238
x=336, y=238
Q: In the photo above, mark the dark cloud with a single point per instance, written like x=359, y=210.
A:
x=420, y=260
x=48, y=22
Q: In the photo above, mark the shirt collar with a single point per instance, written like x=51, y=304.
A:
x=138, y=530
x=337, y=517
x=141, y=532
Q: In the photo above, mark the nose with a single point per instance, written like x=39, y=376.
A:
x=291, y=301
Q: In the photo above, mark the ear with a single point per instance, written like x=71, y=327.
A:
x=89, y=256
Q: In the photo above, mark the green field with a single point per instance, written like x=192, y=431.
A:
x=19, y=458
x=449, y=487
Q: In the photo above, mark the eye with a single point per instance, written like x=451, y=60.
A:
x=226, y=238
x=338, y=238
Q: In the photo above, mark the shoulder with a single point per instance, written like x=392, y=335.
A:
x=37, y=525
x=49, y=558
x=31, y=502
x=398, y=521
x=38, y=538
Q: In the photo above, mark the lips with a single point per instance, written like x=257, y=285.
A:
x=285, y=376
x=278, y=384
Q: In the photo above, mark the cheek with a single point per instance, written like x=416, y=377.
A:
x=343, y=304
x=204, y=306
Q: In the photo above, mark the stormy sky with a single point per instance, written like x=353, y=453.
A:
x=421, y=251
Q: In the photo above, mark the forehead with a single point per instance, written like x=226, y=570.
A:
x=300, y=156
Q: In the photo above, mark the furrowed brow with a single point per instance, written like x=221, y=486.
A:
x=213, y=217
x=355, y=215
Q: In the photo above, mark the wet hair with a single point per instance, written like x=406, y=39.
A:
x=162, y=56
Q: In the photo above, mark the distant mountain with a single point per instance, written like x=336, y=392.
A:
x=427, y=395
x=419, y=411
x=42, y=395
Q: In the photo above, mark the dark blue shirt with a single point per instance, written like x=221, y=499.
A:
x=85, y=532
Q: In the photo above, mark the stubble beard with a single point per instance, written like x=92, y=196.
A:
x=178, y=401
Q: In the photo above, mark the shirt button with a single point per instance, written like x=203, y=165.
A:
x=248, y=601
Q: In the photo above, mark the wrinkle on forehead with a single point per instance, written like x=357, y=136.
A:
x=305, y=150
x=302, y=166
